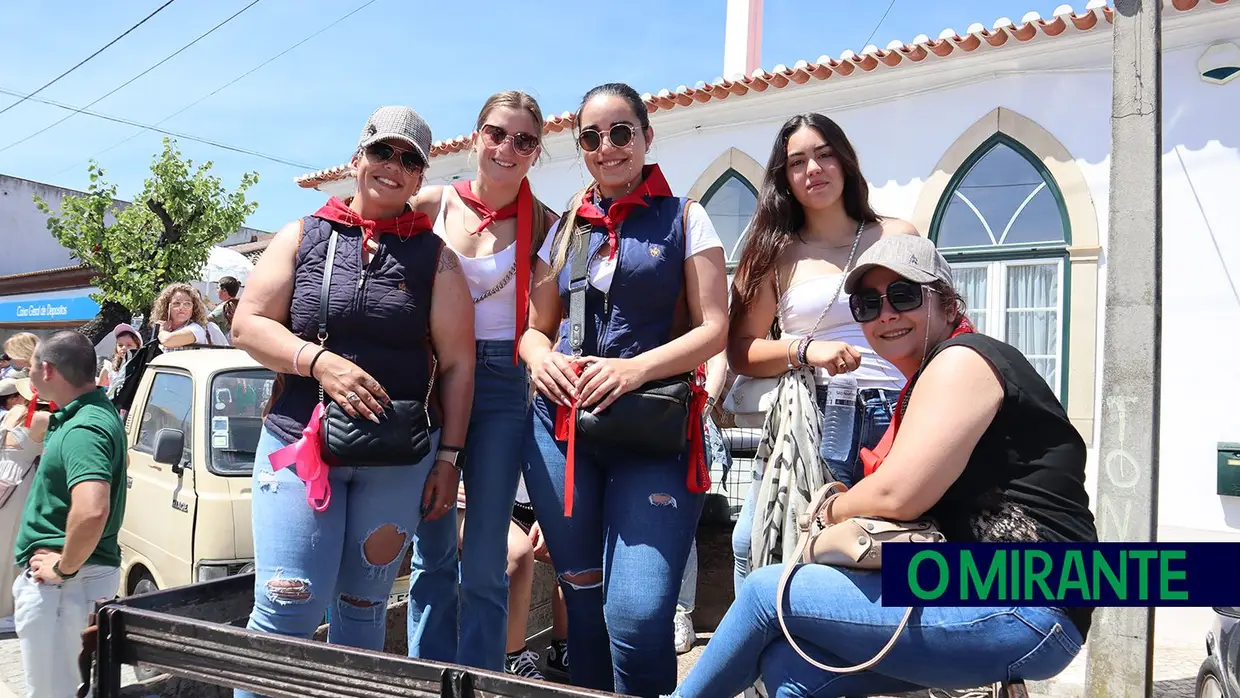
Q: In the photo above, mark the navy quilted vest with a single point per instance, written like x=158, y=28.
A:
x=382, y=325
x=644, y=304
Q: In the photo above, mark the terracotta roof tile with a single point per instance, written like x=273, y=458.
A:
x=1003, y=32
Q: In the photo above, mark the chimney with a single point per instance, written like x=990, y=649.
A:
x=742, y=46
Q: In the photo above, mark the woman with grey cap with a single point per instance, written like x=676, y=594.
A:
x=363, y=313
x=983, y=447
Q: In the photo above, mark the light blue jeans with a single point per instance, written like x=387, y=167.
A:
x=721, y=460
x=874, y=409
x=837, y=617
x=620, y=558
x=306, y=562
x=494, y=450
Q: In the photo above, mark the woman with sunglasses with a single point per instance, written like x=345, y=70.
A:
x=984, y=447
x=812, y=220
x=495, y=225
x=396, y=300
x=650, y=268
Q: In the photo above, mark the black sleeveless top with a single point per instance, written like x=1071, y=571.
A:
x=1025, y=480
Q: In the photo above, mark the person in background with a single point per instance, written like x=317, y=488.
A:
x=127, y=340
x=6, y=365
x=20, y=348
x=650, y=254
x=67, y=541
x=495, y=226
x=228, y=290
x=812, y=221
x=180, y=317
x=22, y=428
x=985, y=449
x=399, y=326
x=721, y=461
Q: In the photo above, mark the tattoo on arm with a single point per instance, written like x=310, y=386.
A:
x=447, y=260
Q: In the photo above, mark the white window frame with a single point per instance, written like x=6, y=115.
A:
x=997, y=311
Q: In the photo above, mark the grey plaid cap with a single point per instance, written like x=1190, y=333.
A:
x=400, y=124
x=912, y=256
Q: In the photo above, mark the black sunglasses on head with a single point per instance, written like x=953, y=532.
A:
x=619, y=135
x=522, y=143
x=903, y=295
x=382, y=152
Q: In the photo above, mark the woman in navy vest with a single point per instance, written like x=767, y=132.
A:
x=495, y=225
x=397, y=299
x=613, y=519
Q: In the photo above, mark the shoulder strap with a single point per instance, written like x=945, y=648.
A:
x=325, y=288
x=577, y=284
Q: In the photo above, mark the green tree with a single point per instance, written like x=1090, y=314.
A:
x=164, y=237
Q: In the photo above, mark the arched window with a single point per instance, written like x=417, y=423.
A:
x=731, y=201
x=1002, y=226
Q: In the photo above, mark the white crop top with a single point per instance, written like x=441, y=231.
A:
x=799, y=309
x=700, y=236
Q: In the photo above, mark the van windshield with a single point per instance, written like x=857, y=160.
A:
x=237, y=402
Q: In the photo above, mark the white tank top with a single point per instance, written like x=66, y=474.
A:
x=799, y=309
x=494, y=316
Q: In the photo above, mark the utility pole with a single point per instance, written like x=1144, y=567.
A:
x=1121, y=641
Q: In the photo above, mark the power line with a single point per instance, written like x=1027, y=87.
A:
x=54, y=124
x=880, y=23
x=221, y=88
x=84, y=60
x=174, y=134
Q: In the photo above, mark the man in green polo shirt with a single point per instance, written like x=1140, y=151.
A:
x=66, y=544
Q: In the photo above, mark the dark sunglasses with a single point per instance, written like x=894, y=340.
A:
x=522, y=143
x=382, y=152
x=903, y=295
x=619, y=135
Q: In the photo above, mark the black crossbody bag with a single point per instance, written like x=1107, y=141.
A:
x=402, y=437
x=652, y=419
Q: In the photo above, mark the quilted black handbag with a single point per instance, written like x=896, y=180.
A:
x=400, y=438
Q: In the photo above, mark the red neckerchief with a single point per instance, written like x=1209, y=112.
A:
x=523, y=209
x=34, y=406
x=698, y=480
x=653, y=184
x=405, y=226
x=871, y=459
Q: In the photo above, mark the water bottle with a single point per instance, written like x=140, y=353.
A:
x=839, y=417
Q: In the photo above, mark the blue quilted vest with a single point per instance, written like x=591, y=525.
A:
x=381, y=324
x=645, y=302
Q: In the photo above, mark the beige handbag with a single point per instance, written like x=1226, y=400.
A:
x=857, y=544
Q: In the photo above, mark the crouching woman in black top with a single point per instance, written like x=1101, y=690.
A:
x=983, y=447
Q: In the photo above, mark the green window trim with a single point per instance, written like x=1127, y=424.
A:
x=718, y=184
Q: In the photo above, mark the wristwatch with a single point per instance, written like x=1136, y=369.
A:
x=62, y=575
x=451, y=455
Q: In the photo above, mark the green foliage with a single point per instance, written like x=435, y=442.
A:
x=163, y=237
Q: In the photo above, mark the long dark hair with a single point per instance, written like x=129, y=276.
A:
x=779, y=216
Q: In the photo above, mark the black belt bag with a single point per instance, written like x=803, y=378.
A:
x=402, y=437
x=651, y=420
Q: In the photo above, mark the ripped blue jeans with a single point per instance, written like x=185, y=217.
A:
x=345, y=558
x=620, y=557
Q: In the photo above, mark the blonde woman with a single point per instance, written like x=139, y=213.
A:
x=19, y=348
x=21, y=443
x=181, y=316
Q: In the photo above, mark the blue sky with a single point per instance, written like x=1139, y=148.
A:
x=441, y=58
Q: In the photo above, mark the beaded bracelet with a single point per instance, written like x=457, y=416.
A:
x=803, y=351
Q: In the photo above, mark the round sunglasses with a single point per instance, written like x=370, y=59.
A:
x=903, y=295
x=523, y=143
x=382, y=152
x=619, y=135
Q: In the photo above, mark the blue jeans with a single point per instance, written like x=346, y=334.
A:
x=838, y=618
x=874, y=408
x=620, y=558
x=494, y=443
x=306, y=562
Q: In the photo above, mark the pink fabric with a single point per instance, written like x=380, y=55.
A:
x=306, y=456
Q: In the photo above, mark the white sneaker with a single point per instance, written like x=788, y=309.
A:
x=685, y=634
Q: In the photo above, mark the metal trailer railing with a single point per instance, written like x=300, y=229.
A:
x=197, y=632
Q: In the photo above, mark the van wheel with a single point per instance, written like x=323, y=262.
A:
x=145, y=585
x=1208, y=683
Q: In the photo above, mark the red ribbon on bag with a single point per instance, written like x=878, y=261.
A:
x=872, y=459
x=523, y=209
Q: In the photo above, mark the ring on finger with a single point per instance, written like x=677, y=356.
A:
x=842, y=364
x=352, y=396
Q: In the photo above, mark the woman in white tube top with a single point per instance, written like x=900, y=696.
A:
x=812, y=221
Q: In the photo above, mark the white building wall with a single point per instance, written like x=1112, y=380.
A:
x=902, y=123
